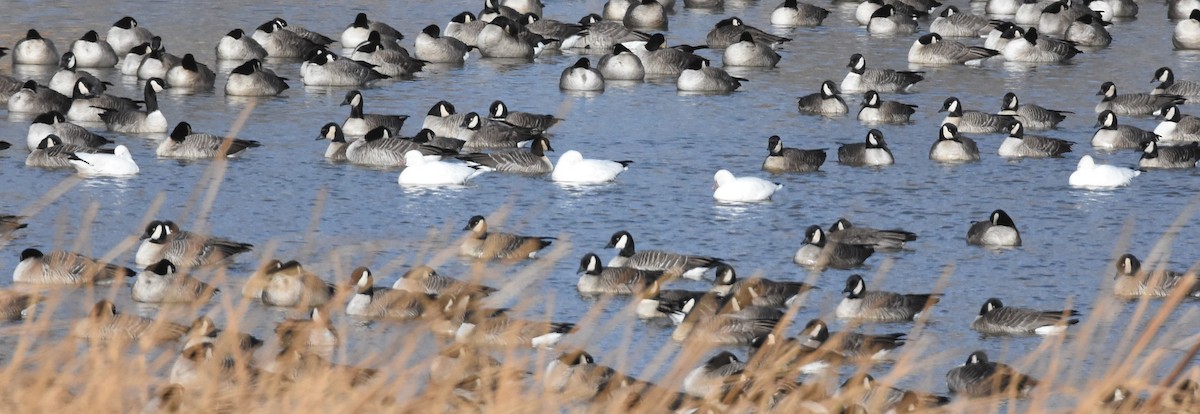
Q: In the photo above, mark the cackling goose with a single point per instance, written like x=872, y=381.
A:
x=581, y=77
x=881, y=306
x=1176, y=126
x=482, y=244
x=793, y=13
x=843, y=232
x=54, y=123
x=723, y=322
x=826, y=102
x=185, y=144
x=137, y=121
x=758, y=291
x=1186, y=35
x=252, y=79
x=465, y=27
x=819, y=252
x=88, y=102
x=1033, y=117
x=698, y=76
x=674, y=264
x=574, y=375
x=479, y=133
x=645, y=14
x=747, y=52
x=1131, y=281
x=597, y=279
x=505, y=38
x=126, y=33
x=498, y=111
x=327, y=69
x=972, y=122
x=34, y=50
x=358, y=31
x=1181, y=156
x=1133, y=104
x=160, y=283
x=870, y=153
x=861, y=79
x=783, y=160
x=733, y=30
x=852, y=345
x=531, y=162
x=862, y=387
x=315, y=335
x=358, y=123
x=716, y=377
x=374, y=302
x=497, y=329
x=190, y=74
x=380, y=149
x=1168, y=85
x=91, y=52
x=550, y=28
x=662, y=61
x=431, y=46
x=157, y=62
x=290, y=285
x=164, y=240
x=996, y=319
x=37, y=99
x=1113, y=135
x=980, y=378
x=103, y=323
x=1033, y=48
x=600, y=35
x=281, y=43
x=64, y=79
x=931, y=49
x=997, y=230
x=875, y=110
x=888, y=21
x=424, y=279
x=17, y=305
x=1019, y=145
x=622, y=64
x=51, y=152
x=235, y=45
x=392, y=62
x=65, y=268
x=1089, y=31
x=952, y=22
x=444, y=121
x=953, y=147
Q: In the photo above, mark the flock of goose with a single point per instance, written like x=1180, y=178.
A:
x=736, y=312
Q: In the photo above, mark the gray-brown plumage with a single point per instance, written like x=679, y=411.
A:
x=972, y=122
x=1114, y=135
x=654, y=295
x=54, y=123
x=1032, y=116
x=842, y=231
x=105, y=324
x=65, y=268
x=872, y=152
x=294, y=365
x=715, y=377
x=600, y=35
x=380, y=149
x=1181, y=156
x=981, y=378
x=1131, y=281
x=881, y=306
x=281, y=43
x=258, y=280
x=185, y=144
x=1168, y=85
x=862, y=387
x=853, y=345
x=951, y=146
x=479, y=133
x=51, y=152
x=290, y=285
x=165, y=240
x=549, y=28
x=359, y=123
x=498, y=111
x=662, y=61
x=1133, y=103
x=996, y=319
x=689, y=266
x=825, y=102
x=497, y=329
x=820, y=252
x=953, y=23
x=729, y=31
x=861, y=79
x=781, y=159
x=597, y=279
x=876, y=110
x=575, y=375
x=758, y=291
x=424, y=279
x=36, y=99
x=160, y=283
x=722, y=321
x=482, y=244
x=531, y=162
x=1019, y=145
x=932, y=49
x=17, y=305
x=374, y=302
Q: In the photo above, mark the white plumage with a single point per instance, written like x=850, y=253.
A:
x=118, y=164
x=1091, y=175
x=742, y=189
x=573, y=168
x=423, y=171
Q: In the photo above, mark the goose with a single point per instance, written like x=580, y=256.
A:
x=444, y=121
x=137, y=121
x=1133, y=104
x=118, y=164
x=482, y=244
x=688, y=266
x=327, y=69
x=358, y=123
x=426, y=136
x=875, y=110
x=281, y=43
x=1130, y=281
x=64, y=79
x=575, y=376
x=54, y=123
x=34, y=50
x=1181, y=9
x=481, y=134
x=662, y=61
x=1032, y=48
x=394, y=63
x=533, y=7
x=457, y=362
x=91, y=52
x=758, y=291
x=494, y=8
x=595, y=278
x=862, y=387
x=881, y=306
x=185, y=144
x=870, y=153
x=782, y=160
x=733, y=30
x=998, y=230
x=88, y=102
x=996, y=319
x=825, y=102
x=952, y=147
x=465, y=27
x=499, y=330
x=1033, y=117
x=379, y=149
x=190, y=74
x=655, y=301
x=17, y=305
x=972, y=122
x=133, y=60
x=931, y=49
x=861, y=79
x=733, y=189
x=51, y=152
x=297, y=365
x=1114, y=9
x=1002, y=7
x=1002, y=35
x=126, y=33
x=980, y=378
x=842, y=231
x=1181, y=156
x=252, y=79
x=36, y=99
x=65, y=268
x=498, y=111
x=622, y=64
x=258, y=280
x=336, y=151
x=157, y=63
x=358, y=31
x=424, y=279
x=421, y=171
x=290, y=285
x=747, y=52
x=199, y=369
x=793, y=13
x=819, y=252
x=309, y=35
x=700, y=77
x=600, y=34
x=1090, y=175
x=615, y=9
x=1058, y=15
x=952, y=22
x=581, y=77
x=1113, y=135
x=103, y=323
x=164, y=240
x=573, y=168
x=1168, y=85
x=716, y=377
x=851, y=345
x=235, y=45
x=645, y=14
x=722, y=322
x=1176, y=126
x=381, y=303
x=887, y=21
x=315, y=335
x=791, y=356
x=550, y=28
x=160, y=283
x=1019, y=145
x=431, y=46
x=1089, y=31
x=533, y=162
x=505, y=38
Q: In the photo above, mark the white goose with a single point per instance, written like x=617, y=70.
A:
x=742, y=189
x=118, y=164
x=573, y=168
x=424, y=171
x=1091, y=175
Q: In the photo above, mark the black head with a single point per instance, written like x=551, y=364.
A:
x=32, y=35
x=590, y=264
x=126, y=23
x=656, y=41
x=90, y=36
x=441, y=109
x=855, y=287
x=977, y=357
x=775, y=144
x=1000, y=218
x=246, y=68
x=181, y=131
x=991, y=305
x=236, y=34
x=31, y=253
x=464, y=17
x=582, y=63
x=474, y=222
x=432, y=31
x=814, y=235
x=930, y=38
x=719, y=360
x=746, y=37
x=1128, y=265
x=162, y=268
x=883, y=12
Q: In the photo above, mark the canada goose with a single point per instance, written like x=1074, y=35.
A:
x=252, y=79
x=16, y=305
x=723, y=321
x=742, y=189
x=869, y=392
x=698, y=76
x=873, y=152
x=861, y=79
x=882, y=306
x=54, y=123
x=781, y=159
x=797, y=14
x=996, y=319
x=819, y=252
x=532, y=162
x=1112, y=135
x=235, y=45
x=747, y=52
x=137, y=121
x=952, y=22
x=1181, y=156
x=1133, y=104
x=662, y=61
x=91, y=52
x=431, y=46
x=1132, y=282
x=164, y=240
x=505, y=38
x=972, y=122
x=465, y=27
x=291, y=286
x=379, y=149
x=825, y=102
x=103, y=323
x=419, y=170
x=204, y=331
x=715, y=377
x=34, y=50
x=932, y=49
x=1019, y=145
x=315, y=335
x=327, y=69
x=655, y=302
x=574, y=375
x=997, y=230
x=281, y=43
x=65, y=268
x=358, y=123
x=980, y=378
x=497, y=329
x=427, y=137
x=424, y=279
x=64, y=79
x=1088, y=174
x=394, y=63
x=1058, y=16
x=790, y=356
x=597, y=279
x=53, y=153
x=1168, y=85
x=581, y=77
x=550, y=28
x=157, y=63
x=480, y=133
x=88, y=103
x=888, y=21
x=185, y=144
x=295, y=365
x=160, y=283
x=875, y=110
x=852, y=345
x=482, y=244
x=126, y=33
x=357, y=31
x=600, y=35
x=645, y=14
x=1033, y=48
x=190, y=74
x=843, y=232
x=1088, y=30
x=37, y=99
x=953, y=147
x=689, y=266
x=133, y=60
x=445, y=122
x=758, y=291
x=498, y=111
x=733, y=30
x=1176, y=126
x=383, y=303
x=1033, y=117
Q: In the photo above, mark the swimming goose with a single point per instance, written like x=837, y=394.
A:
x=952, y=22
x=581, y=77
x=1032, y=48
x=1002, y=35
x=729, y=188
x=383, y=303
x=1090, y=175
x=732, y=30
x=952, y=147
x=64, y=79
x=662, y=61
x=499, y=111
x=870, y=153
x=164, y=240
x=133, y=60
x=781, y=160
x=654, y=301
x=532, y=162
x=358, y=123
x=480, y=133
x=1176, y=126
x=157, y=62
x=1088, y=30
x=887, y=21
x=91, y=52
x=252, y=79
x=34, y=50
x=497, y=329
x=1133, y=103
x=573, y=168
x=698, y=76
x=185, y=144
x=881, y=306
x=972, y=122
x=1033, y=117
x=431, y=46
x=550, y=28
x=748, y=52
x=1186, y=35
x=862, y=387
x=327, y=69
x=931, y=49
x=622, y=64
x=505, y=38
x=423, y=279
x=37, y=99
x=796, y=14
x=1002, y=7
x=378, y=148
x=160, y=283
x=190, y=74
x=292, y=286
x=645, y=14
x=444, y=121
x=54, y=123
x=980, y=378
x=465, y=27
x=997, y=230
x=1112, y=135
x=200, y=370
x=99, y=164
x=1130, y=281
x=358, y=31
x=315, y=335
x=843, y=232
x=689, y=266
x=1058, y=15
x=87, y=103
x=1019, y=145
x=615, y=9
x=65, y=268
x=875, y=110
x=336, y=151
x=281, y=43
x=595, y=278
x=1168, y=85
x=126, y=33
x=716, y=377
x=575, y=376
x=258, y=280
x=758, y=291
x=600, y=35
x=714, y=321
x=420, y=170
x=1181, y=156
x=17, y=305
x=852, y=345
x=235, y=45
x=825, y=102
x=392, y=62
x=996, y=319
x=861, y=79
x=819, y=252
x=482, y=244
x=103, y=323
x=427, y=137
x=51, y=152
x=137, y=121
